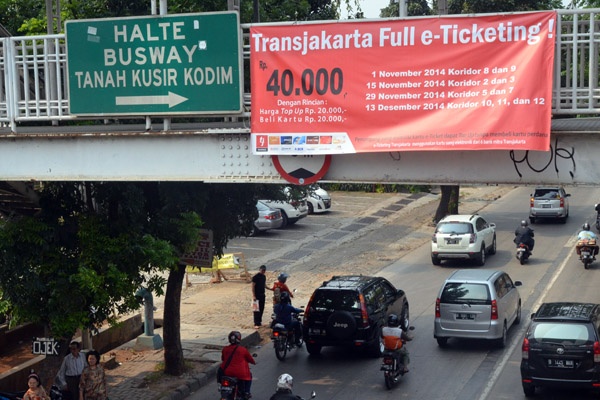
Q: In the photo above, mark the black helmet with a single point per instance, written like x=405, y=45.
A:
x=282, y=277
x=393, y=320
x=234, y=337
x=524, y=223
x=586, y=227
x=284, y=297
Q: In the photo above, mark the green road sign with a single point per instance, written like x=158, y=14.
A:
x=165, y=64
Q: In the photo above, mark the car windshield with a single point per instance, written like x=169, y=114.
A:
x=343, y=300
x=458, y=228
x=564, y=333
x=546, y=194
x=470, y=293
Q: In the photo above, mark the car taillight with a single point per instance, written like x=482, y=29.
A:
x=307, y=312
x=562, y=202
x=597, y=352
x=525, y=349
x=363, y=311
x=494, y=309
x=271, y=216
x=531, y=202
x=437, y=308
x=473, y=238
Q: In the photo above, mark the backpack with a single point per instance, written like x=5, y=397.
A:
x=276, y=295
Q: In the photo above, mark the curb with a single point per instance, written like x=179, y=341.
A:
x=202, y=379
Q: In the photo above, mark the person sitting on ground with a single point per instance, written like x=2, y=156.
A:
x=584, y=237
x=524, y=234
x=280, y=287
x=393, y=340
x=35, y=391
x=284, y=388
x=283, y=315
x=235, y=360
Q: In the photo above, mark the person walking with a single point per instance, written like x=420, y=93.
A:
x=259, y=284
x=92, y=385
x=70, y=370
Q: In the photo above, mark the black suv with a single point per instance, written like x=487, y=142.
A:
x=561, y=347
x=350, y=311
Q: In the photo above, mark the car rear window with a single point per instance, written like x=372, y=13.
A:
x=328, y=300
x=471, y=293
x=565, y=333
x=546, y=194
x=455, y=227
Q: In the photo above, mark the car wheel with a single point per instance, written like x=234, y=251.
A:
x=285, y=219
x=255, y=231
x=341, y=325
x=313, y=349
x=502, y=341
x=435, y=260
x=532, y=220
x=311, y=210
x=442, y=341
x=376, y=348
x=493, y=248
x=480, y=260
x=529, y=390
x=518, y=317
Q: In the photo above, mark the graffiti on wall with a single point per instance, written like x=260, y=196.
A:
x=555, y=154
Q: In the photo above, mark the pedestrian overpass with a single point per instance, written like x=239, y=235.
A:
x=40, y=140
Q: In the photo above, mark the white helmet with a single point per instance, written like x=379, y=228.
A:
x=285, y=381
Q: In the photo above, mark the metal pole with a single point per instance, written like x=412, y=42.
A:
x=402, y=9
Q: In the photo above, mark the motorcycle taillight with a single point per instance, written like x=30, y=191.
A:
x=388, y=360
x=225, y=382
x=275, y=334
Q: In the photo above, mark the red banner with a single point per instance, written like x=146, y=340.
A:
x=453, y=83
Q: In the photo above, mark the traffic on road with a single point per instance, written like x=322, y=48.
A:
x=463, y=366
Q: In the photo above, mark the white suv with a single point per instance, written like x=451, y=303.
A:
x=319, y=201
x=463, y=237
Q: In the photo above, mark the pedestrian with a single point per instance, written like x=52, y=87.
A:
x=92, y=385
x=259, y=284
x=70, y=370
x=35, y=390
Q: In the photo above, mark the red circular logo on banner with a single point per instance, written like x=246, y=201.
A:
x=302, y=170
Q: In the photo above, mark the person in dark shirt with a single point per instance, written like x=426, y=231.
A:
x=283, y=315
x=259, y=283
x=524, y=234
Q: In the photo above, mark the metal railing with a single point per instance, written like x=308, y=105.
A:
x=33, y=73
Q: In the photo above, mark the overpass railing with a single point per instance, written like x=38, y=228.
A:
x=33, y=74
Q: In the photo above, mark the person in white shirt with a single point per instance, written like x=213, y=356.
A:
x=70, y=370
x=583, y=237
x=393, y=339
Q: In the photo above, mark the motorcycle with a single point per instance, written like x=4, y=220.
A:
x=284, y=340
x=587, y=250
x=229, y=387
x=391, y=365
x=523, y=253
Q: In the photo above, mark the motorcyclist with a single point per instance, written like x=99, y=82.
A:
x=393, y=339
x=235, y=360
x=284, y=388
x=283, y=315
x=584, y=236
x=524, y=234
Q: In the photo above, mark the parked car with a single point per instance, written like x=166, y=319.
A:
x=351, y=311
x=268, y=218
x=477, y=304
x=561, y=347
x=318, y=200
x=291, y=211
x=463, y=237
x=549, y=202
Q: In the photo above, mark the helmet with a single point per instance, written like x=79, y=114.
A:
x=285, y=381
x=586, y=227
x=524, y=223
x=284, y=297
x=234, y=337
x=282, y=277
x=393, y=320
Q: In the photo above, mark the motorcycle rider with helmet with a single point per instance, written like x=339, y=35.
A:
x=284, y=388
x=583, y=237
x=524, y=234
x=238, y=365
x=283, y=315
x=393, y=336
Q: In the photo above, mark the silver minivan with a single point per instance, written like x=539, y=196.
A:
x=477, y=304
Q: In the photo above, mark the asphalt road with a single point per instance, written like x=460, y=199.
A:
x=466, y=369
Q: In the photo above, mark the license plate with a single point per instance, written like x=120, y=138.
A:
x=546, y=205
x=451, y=241
x=555, y=363
x=386, y=367
x=314, y=331
x=465, y=316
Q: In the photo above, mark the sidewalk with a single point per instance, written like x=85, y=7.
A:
x=210, y=311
